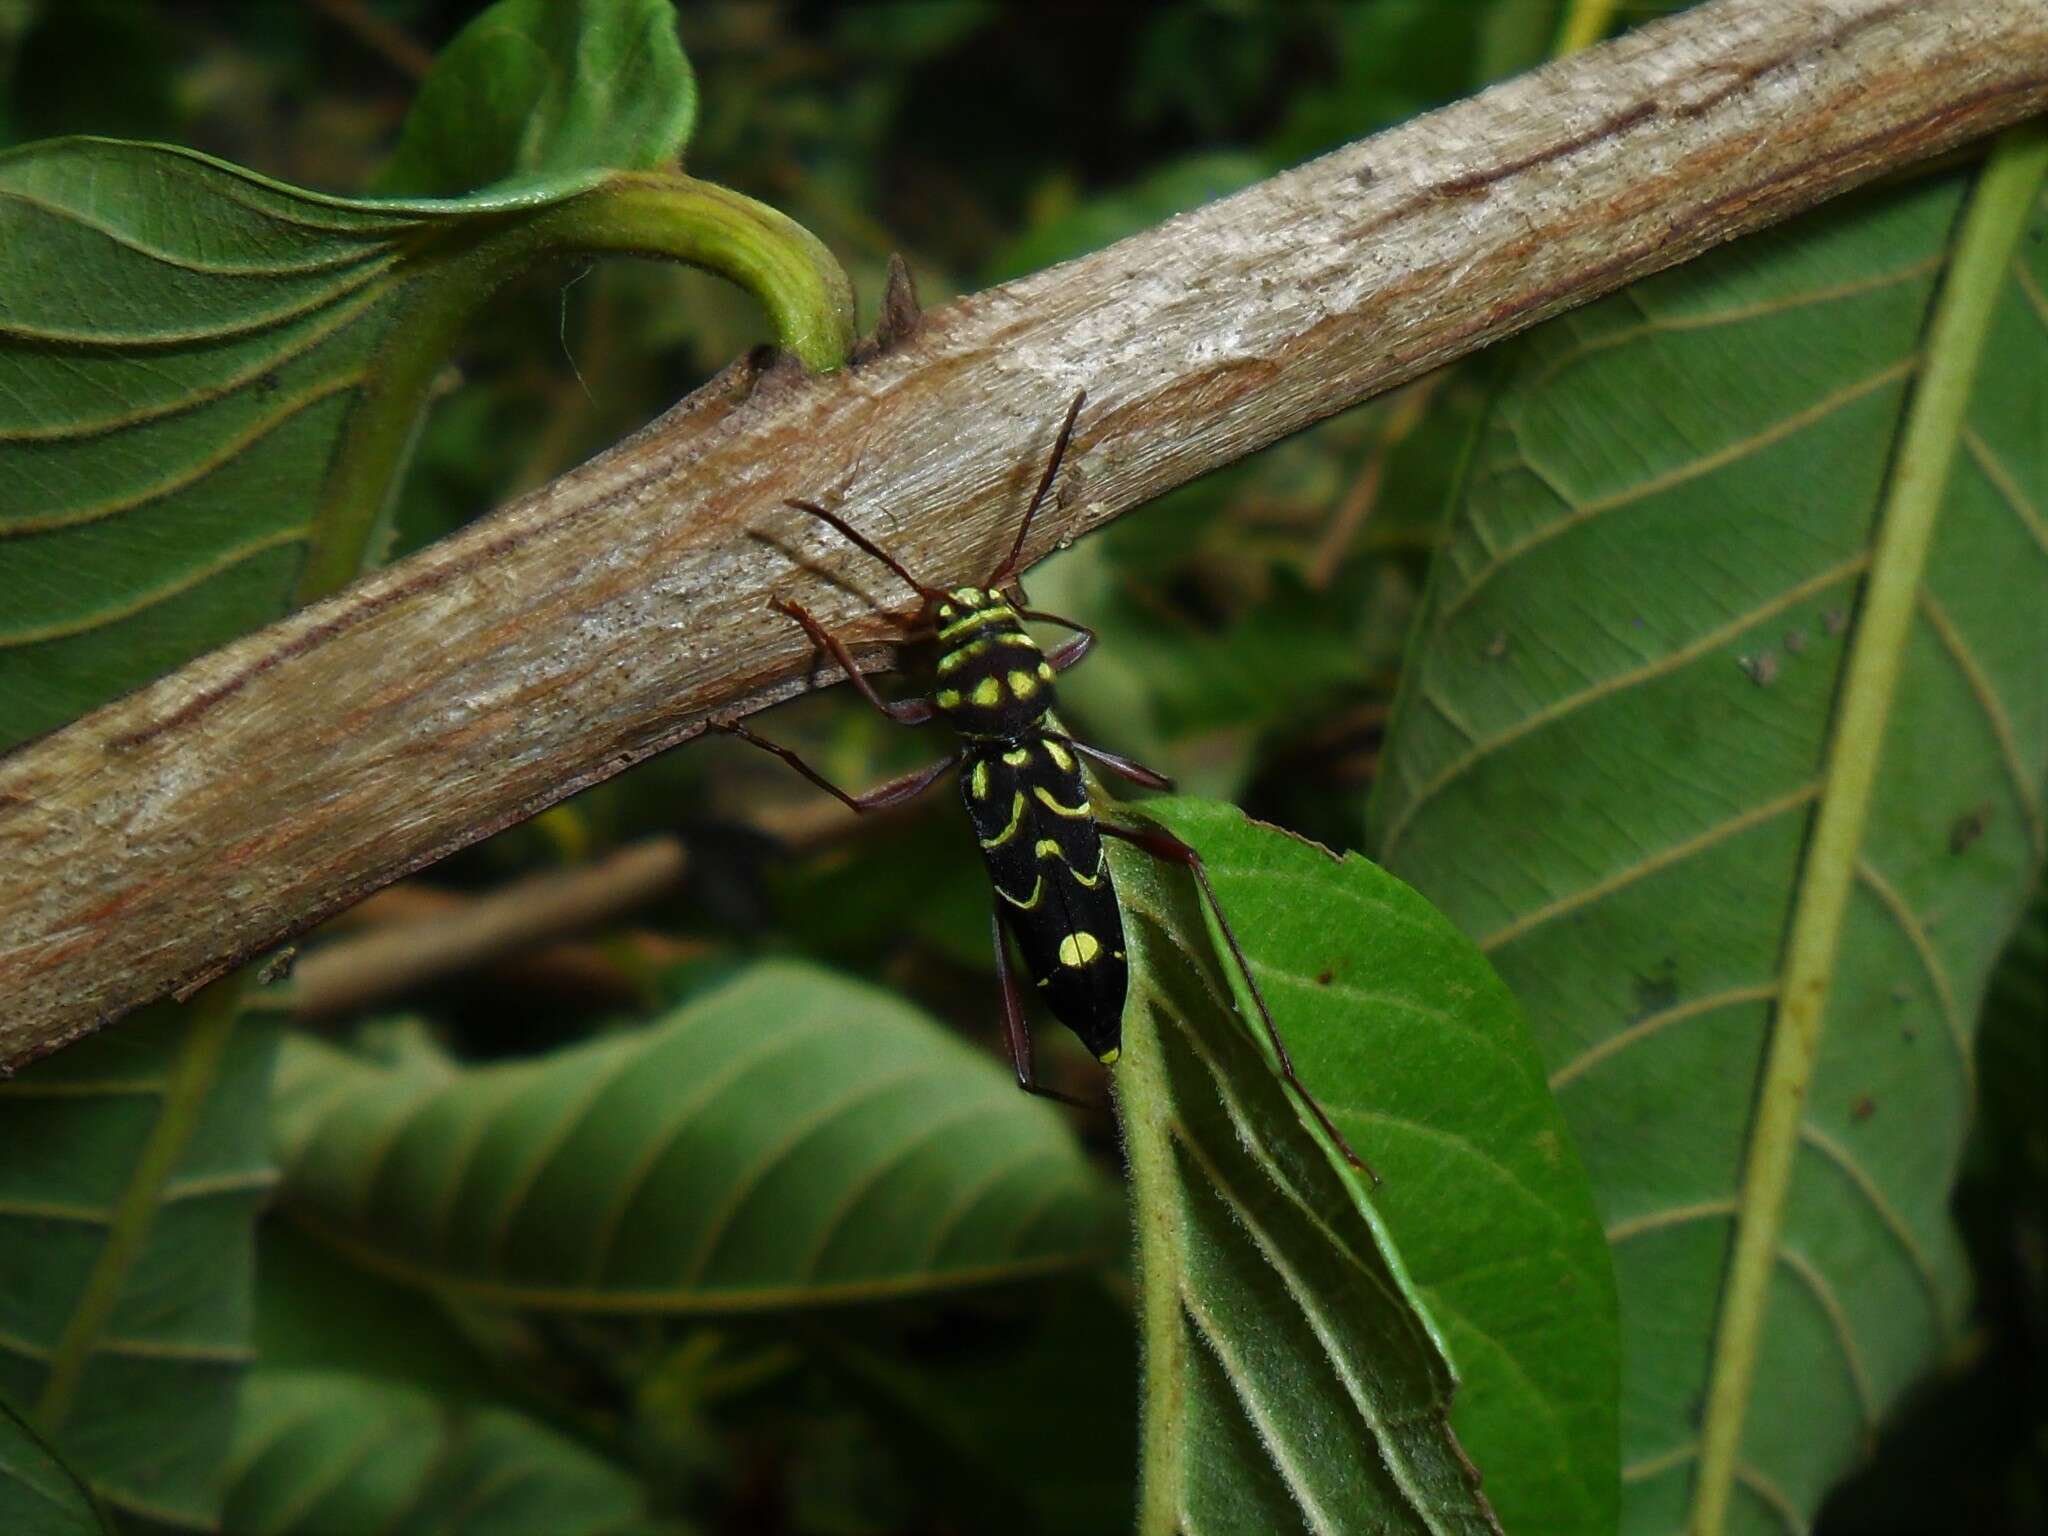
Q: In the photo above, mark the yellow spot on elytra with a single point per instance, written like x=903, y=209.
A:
x=979, y=781
x=974, y=618
x=948, y=698
x=1062, y=758
x=988, y=691
x=1048, y=849
x=1016, y=821
x=1045, y=670
x=1018, y=758
x=1023, y=684
x=1045, y=799
x=960, y=655
x=1078, y=949
x=1108, y=1057
x=1037, y=890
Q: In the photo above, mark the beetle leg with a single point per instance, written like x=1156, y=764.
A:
x=1015, y=1027
x=902, y=711
x=1122, y=767
x=893, y=792
x=1167, y=848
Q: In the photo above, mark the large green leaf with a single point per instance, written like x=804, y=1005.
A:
x=1418, y=1053
x=537, y=88
x=1723, y=733
x=208, y=381
x=325, y=1453
x=789, y=1140
x=134, y=1169
x=39, y=1495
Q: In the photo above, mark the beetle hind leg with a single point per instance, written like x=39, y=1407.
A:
x=1168, y=849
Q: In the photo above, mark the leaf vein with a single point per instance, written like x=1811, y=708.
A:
x=1889, y=1218
x=2008, y=486
x=1705, y=464
x=1995, y=715
x=776, y=1156
x=1930, y=960
x=1838, y=1322
x=675, y=1124
x=1243, y=1387
x=100, y=618
x=1734, y=826
x=1644, y=1027
x=1713, y=640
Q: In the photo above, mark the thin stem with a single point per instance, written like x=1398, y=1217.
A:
x=806, y=296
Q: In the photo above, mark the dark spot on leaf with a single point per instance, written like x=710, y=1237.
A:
x=269, y=383
x=1969, y=827
x=1863, y=1108
x=1325, y=977
x=1497, y=647
x=1795, y=641
x=1658, y=990
x=1834, y=621
x=1762, y=668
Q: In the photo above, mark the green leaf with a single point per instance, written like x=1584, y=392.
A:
x=316, y=1311
x=209, y=381
x=320, y=1452
x=791, y=1139
x=1418, y=1053
x=39, y=1494
x=135, y=1167
x=533, y=89
x=1723, y=732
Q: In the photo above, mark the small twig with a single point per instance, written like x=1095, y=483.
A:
x=1404, y=414
x=440, y=934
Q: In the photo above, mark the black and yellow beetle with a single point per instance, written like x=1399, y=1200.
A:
x=1021, y=776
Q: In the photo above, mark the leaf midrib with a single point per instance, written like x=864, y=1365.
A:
x=1992, y=222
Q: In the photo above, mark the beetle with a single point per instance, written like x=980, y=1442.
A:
x=1021, y=776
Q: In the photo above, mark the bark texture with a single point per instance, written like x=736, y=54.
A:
x=157, y=842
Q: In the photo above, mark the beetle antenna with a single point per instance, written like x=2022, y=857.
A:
x=861, y=541
x=1059, y=451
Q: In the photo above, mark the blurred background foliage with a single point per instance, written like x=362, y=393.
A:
x=1252, y=636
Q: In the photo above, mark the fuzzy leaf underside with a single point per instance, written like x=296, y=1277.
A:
x=1420, y=1056
x=1613, y=737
